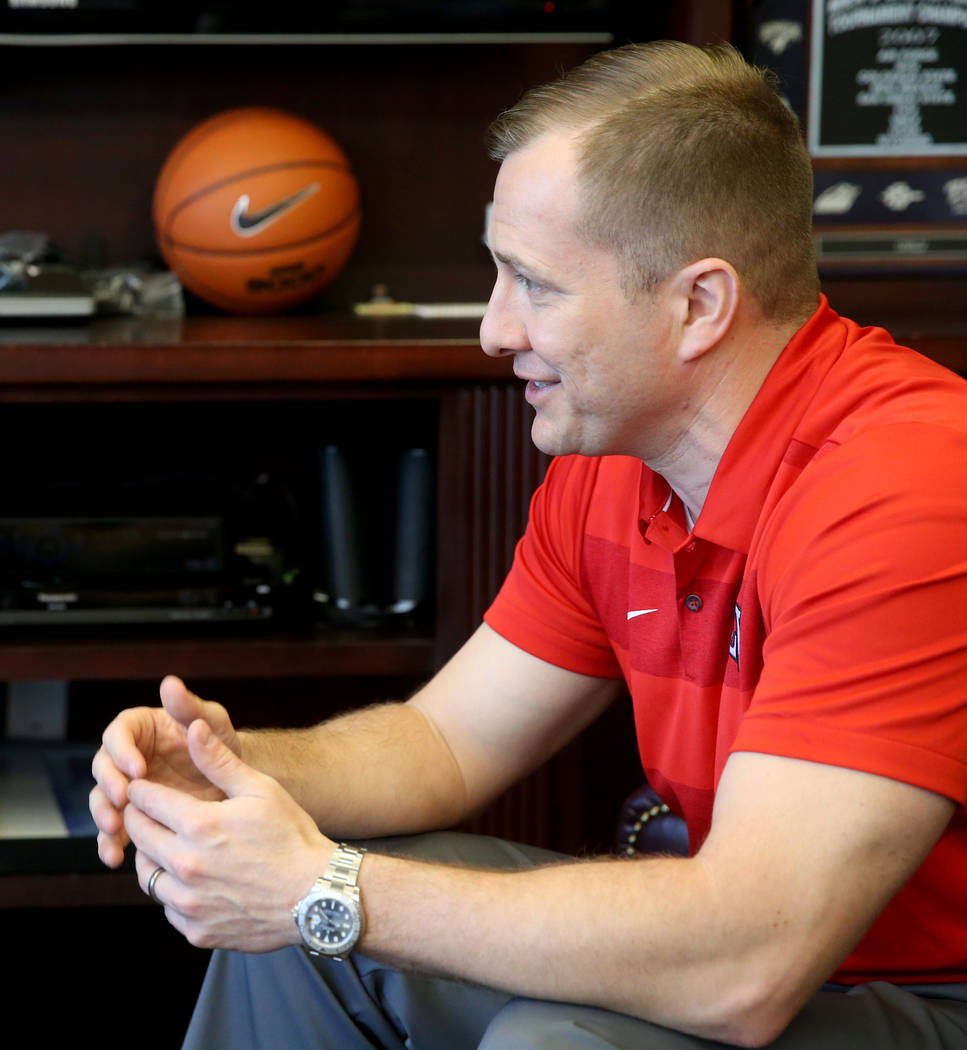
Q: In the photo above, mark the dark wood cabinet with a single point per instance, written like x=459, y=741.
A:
x=432, y=380
x=87, y=129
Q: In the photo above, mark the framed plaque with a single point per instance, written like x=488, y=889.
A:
x=881, y=89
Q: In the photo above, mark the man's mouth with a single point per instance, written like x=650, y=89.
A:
x=537, y=389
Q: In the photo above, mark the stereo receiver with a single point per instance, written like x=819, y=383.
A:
x=125, y=570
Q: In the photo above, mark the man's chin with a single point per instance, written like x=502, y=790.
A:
x=550, y=443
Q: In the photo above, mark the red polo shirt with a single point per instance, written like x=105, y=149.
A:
x=817, y=610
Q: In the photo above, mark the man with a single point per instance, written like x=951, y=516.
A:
x=757, y=521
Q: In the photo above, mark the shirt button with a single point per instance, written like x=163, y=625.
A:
x=693, y=603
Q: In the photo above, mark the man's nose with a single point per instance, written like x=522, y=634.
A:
x=501, y=331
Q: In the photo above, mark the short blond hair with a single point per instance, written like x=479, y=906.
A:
x=685, y=153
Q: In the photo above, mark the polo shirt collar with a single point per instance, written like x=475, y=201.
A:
x=751, y=460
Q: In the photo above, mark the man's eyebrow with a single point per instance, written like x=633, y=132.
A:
x=507, y=260
x=517, y=264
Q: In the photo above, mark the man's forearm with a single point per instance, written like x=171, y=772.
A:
x=643, y=937
x=728, y=944
x=382, y=770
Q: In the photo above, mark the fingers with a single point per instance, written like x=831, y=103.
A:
x=186, y=707
x=110, y=849
x=156, y=881
x=126, y=747
x=107, y=816
x=222, y=766
x=149, y=743
x=121, y=757
x=232, y=866
x=112, y=784
x=109, y=797
x=156, y=844
x=231, y=869
x=116, y=762
x=179, y=701
x=158, y=813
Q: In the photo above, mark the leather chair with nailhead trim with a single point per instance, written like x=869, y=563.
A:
x=647, y=825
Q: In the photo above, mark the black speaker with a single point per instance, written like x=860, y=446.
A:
x=341, y=558
x=377, y=534
x=414, y=531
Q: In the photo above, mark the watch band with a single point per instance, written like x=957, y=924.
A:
x=343, y=869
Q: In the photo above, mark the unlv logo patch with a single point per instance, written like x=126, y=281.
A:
x=736, y=640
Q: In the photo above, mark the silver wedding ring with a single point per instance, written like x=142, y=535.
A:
x=151, y=882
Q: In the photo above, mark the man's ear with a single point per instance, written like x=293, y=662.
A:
x=709, y=297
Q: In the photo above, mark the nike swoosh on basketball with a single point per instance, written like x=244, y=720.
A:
x=640, y=612
x=247, y=224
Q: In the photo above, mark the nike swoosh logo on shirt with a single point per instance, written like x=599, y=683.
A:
x=247, y=224
x=640, y=612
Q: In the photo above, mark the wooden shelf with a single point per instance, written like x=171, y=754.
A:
x=223, y=356
x=228, y=356
x=301, y=655
x=286, y=358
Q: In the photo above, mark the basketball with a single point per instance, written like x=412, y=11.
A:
x=256, y=210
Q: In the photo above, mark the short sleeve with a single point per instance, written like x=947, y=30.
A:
x=542, y=606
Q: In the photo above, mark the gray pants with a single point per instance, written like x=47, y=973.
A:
x=287, y=1000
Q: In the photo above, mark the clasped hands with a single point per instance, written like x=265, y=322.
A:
x=236, y=848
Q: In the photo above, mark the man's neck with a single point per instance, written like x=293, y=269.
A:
x=691, y=463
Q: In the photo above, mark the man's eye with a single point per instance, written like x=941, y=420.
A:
x=527, y=284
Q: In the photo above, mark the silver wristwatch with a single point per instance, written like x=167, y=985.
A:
x=330, y=915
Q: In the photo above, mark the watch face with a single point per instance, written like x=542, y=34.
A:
x=331, y=924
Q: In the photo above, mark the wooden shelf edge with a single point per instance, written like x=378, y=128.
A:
x=320, y=655
x=242, y=353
